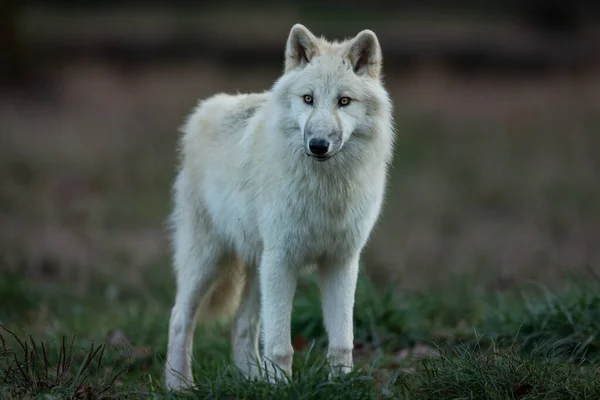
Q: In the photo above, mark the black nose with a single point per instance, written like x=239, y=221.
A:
x=318, y=146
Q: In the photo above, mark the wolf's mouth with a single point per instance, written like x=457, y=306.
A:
x=318, y=158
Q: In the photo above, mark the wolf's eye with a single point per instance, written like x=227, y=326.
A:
x=308, y=99
x=344, y=101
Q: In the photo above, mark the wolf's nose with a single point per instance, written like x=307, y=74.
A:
x=318, y=146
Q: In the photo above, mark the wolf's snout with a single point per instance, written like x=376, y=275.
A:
x=318, y=147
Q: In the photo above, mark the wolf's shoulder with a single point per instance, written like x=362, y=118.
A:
x=223, y=115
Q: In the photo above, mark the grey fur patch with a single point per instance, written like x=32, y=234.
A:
x=371, y=105
x=240, y=117
x=338, y=121
x=245, y=113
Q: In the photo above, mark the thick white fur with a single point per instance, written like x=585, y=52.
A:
x=252, y=209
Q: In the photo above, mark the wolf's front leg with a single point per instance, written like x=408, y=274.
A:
x=337, y=282
x=277, y=284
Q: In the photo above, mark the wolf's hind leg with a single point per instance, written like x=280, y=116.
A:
x=246, y=326
x=196, y=272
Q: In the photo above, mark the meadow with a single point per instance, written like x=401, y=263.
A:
x=481, y=281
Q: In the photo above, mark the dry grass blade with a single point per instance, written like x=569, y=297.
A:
x=100, y=357
x=61, y=353
x=33, y=347
x=46, y=363
x=7, y=374
x=24, y=375
x=23, y=378
x=84, y=368
x=67, y=360
x=91, y=355
x=113, y=380
x=34, y=357
x=5, y=349
x=14, y=335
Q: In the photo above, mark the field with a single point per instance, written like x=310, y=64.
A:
x=481, y=281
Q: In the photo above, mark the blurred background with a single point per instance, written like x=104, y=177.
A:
x=496, y=173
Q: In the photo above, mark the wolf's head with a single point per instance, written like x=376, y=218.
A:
x=331, y=90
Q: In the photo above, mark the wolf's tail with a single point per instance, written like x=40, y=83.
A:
x=224, y=297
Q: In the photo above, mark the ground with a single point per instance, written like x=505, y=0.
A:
x=485, y=262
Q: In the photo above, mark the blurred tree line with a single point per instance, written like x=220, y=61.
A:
x=559, y=15
x=547, y=16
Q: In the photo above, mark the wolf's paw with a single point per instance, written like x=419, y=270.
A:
x=274, y=374
x=177, y=383
x=338, y=371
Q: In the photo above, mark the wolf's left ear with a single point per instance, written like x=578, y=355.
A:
x=364, y=53
x=301, y=47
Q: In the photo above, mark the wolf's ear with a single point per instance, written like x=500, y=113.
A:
x=301, y=47
x=364, y=53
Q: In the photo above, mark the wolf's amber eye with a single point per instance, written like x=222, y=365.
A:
x=308, y=99
x=344, y=101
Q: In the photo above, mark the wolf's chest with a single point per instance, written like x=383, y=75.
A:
x=321, y=221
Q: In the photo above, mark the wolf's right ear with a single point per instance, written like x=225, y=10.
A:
x=365, y=54
x=301, y=47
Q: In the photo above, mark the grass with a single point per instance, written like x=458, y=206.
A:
x=494, y=374
x=35, y=371
x=486, y=191
x=526, y=344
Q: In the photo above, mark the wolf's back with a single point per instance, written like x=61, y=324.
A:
x=221, y=116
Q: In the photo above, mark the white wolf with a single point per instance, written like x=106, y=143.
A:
x=272, y=183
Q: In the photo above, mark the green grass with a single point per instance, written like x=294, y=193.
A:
x=530, y=344
x=476, y=204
